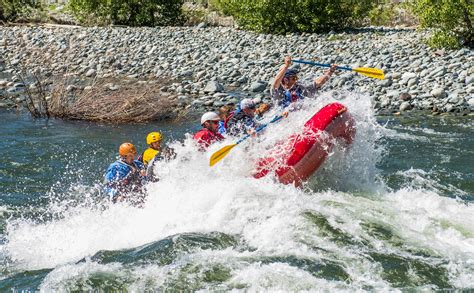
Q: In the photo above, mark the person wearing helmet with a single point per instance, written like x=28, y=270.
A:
x=153, y=139
x=166, y=155
x=286, y=89
x=125, y=176
x=242, y=120
x=209, y=132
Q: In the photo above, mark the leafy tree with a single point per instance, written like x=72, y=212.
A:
x=282, y=16
x=383, y=13
x=128, y=12
x=10, y=10
x=452, y=21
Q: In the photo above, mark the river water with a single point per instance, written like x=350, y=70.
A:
x=395, y=211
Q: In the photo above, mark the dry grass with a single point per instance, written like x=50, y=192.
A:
x=131, y=102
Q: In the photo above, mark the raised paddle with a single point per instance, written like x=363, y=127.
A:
x=370, y=72
x=220, y=154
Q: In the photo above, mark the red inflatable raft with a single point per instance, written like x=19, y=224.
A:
x=296, y=159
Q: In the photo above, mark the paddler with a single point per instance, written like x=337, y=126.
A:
x=242, y=120
x=286, y=89
x=261, y=109
x=125, y=176
x=224, y=114
x=209, y=132
x=153, y=139
x=166, y=155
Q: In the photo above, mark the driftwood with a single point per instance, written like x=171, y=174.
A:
x=128, y=102
x=110, y=100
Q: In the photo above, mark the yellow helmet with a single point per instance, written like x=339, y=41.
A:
x=153, y=137
x=127, y=148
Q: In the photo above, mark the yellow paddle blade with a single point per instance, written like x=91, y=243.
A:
x=370, y=72
x=220, y=154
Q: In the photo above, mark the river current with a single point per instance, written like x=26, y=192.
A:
x=395, y=211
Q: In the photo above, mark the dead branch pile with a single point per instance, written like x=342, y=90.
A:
x=127, y=102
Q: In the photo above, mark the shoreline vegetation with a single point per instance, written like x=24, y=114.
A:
x=120, y=74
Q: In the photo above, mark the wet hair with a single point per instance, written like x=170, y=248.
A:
x=225, y=110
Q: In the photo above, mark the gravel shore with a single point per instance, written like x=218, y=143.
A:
x=212, y=66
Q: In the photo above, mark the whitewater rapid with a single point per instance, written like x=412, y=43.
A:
x=346, y=219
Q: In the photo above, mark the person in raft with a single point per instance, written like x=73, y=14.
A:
x=209, y=132
x=125, y=176
x=261, y=109
x=153, y=139
x=225, y=112
x=242, y=121
x=286, y=89
x=166, y=155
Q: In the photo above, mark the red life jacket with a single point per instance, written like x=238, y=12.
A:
x=227, y=119
x=205, y=137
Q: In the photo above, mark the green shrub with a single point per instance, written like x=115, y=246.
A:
x=128, y=12
x=452, y=21
x=382, y=14
x=282, y=16
x=11, y=10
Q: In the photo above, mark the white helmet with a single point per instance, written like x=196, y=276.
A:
x=247, y=104
x=209, y=116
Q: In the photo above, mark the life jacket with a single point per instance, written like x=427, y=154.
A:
x=292, y=95
x=148, y=155
x=226, y=121
x=238, y=123
x=205, y=137
x=123, y=178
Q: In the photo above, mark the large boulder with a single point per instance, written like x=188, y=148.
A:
x=213, y=86
x=404, y=106
x=470, y=102
x=258, y=86
x=438, y=93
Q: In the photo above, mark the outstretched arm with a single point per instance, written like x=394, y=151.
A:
x=320, y=81
x=281, y=73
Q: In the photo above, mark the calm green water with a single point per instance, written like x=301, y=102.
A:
x=396, y=212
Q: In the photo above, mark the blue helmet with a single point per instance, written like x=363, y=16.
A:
x=291, y=72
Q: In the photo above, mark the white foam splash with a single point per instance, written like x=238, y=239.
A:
x=192, y=197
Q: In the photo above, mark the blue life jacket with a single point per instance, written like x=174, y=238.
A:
x=221, y=128
x=291, y=95
x=121, y=178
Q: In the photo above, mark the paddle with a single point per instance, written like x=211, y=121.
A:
x=220, y=154
x=370, y=72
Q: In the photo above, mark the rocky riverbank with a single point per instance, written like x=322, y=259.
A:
x=212, y=66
